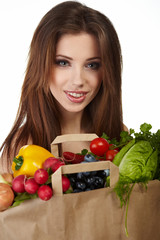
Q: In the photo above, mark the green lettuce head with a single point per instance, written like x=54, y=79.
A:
x=137, y=161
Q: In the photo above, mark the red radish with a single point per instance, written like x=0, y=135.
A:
x=18, y=183
x=57, y=165
x=41, y=176
x=65, y=183
x=49, y=162
x=45, y=192
x=31, y=186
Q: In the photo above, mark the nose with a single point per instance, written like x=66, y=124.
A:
x=78, y=76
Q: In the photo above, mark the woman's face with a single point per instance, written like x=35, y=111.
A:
x=77, y=73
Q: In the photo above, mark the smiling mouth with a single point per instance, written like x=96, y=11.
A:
x=75, y=96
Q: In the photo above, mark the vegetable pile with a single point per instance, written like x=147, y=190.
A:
x=138, y=161
x=136, y=154
x=33, y=167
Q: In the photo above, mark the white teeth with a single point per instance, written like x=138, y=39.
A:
x=77, y=95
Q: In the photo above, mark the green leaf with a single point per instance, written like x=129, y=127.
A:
x=49, y=180
x=145, y=127
x=105, y=136
x=131, y=131
x=114, y=142
x=21, y=197
x=119, y=156
x=107, y=184
x=17, y=203
x=25, y=196
x=70, y=190
x=84, y=152
x=125, y=137
x=49, y=170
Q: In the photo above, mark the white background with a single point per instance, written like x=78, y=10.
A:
x=137, y=23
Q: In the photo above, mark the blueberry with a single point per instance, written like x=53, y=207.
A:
x=89, y=181
x=90, y=188
x=76, y=190
x=101, y=173
x=81, y=185
x=107, y=171
x=93, y=173
x=89, y=158
x=80, y=176
x=86, y=174
x=73, y=181
x=99, y=182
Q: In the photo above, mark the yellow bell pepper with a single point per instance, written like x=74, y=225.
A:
x=29, y=159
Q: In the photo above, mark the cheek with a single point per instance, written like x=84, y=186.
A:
x=56, y=79
x=96, y=82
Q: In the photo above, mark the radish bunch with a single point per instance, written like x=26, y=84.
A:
x=33, y=185
x=40, y=184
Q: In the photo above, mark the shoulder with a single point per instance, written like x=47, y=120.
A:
x=125, y=128
x=7, y=158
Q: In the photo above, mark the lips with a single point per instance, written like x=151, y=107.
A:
x=76, y=96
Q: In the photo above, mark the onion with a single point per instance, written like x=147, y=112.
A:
x=6, y=196
x=8, y=177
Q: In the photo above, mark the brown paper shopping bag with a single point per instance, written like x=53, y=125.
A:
x=101, y=216
x=92, y=215
x=85, y=216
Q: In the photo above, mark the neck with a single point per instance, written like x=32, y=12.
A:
x=71, y=123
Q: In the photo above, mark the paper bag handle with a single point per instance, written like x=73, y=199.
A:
x=83, y=167
x=70, y=138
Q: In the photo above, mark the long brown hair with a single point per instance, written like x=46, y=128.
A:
x=38, y=115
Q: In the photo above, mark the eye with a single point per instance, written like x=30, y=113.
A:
x=62, y=63
x=93, y=65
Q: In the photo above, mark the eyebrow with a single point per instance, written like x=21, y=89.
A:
x=89, y=59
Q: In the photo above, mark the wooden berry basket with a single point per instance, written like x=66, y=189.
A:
x=75, y=168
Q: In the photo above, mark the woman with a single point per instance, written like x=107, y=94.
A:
x=72, y=82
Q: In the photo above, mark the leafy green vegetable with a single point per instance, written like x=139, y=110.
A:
x=138, y=161
x=154, y=139
x=125, y=137
x=21, y=197
x=119, y=156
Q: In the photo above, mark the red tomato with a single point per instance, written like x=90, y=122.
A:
x=110, y=154
x=113, y=147
x=99, y=146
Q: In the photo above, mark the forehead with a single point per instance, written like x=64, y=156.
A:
x=81, y=44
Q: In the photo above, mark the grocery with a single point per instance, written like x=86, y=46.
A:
x=136, y=157
x=6, y=196
x=18, y=183
x=41, y=176
x=90, y=181
x=29, y=159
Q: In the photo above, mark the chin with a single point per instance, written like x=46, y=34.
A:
x=75, y=109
